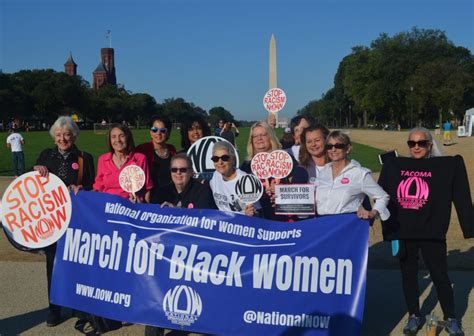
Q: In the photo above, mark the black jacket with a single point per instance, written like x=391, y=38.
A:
x=197, y=193
x=54, y=161
x=421, y=193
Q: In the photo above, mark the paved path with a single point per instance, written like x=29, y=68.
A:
x=23, y=307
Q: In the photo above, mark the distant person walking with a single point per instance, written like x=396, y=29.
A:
x=447, y=133
x=15, y=142
x=228, y=134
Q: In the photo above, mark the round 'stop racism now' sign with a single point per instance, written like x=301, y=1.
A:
x=132, y=178
x=277, y=164
x=274, y=100
x=36, y=210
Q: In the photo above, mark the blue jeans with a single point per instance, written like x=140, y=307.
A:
x=18, y=163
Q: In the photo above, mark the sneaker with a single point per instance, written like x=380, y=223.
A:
x=53, y=319
x=453, y=327
x=412, y=326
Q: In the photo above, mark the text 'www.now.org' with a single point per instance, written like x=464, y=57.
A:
x=103, y=295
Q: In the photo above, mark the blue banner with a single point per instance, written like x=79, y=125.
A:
x=212, y=272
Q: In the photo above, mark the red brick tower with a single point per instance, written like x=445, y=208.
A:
x=100, y=76
x=70, y=67
x=105, y=71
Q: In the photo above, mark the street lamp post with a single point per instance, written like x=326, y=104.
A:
x=411, y=112
x=350, y=110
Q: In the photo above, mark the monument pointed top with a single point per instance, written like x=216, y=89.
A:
x=273, y=64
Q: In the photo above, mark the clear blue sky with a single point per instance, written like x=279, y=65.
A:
x=215, y=52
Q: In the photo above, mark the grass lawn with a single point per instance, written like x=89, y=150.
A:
x=96, y=145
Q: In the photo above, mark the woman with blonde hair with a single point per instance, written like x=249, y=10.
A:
x=262, y=138
x=343, y=183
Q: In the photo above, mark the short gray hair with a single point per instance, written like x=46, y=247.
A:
x=184, y=157
x=65, y=122
x=226, y=146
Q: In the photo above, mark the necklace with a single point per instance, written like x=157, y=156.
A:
x=163, y=155
x=118, y=161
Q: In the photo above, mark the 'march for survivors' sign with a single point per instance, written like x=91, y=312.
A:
x=212, y=272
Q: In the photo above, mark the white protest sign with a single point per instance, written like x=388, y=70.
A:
x=36, y=210
x=279, y=164
x=132, y=178
x=274, y=100
x=200, y=154
x=258, y=165
x=295, y=199
x=248, y=189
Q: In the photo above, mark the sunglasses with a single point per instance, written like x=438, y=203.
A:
x=181, y=170
x=421, y=143
x=162, y=130
x=224, y=158
x=338, y=146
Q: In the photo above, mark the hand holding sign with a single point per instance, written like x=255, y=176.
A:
x=132, y=179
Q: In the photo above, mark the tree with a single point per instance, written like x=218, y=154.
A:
x=140, y=107
x=217, y=113
x=177, y=109
x=377, y=81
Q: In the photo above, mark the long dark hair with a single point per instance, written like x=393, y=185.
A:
x=187, y=124
x=128, y=136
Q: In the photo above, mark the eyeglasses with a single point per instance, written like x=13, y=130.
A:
x=256, y=136
x=224, y=158
x=181, y=170
x=162, y=130
x=337, y=146
x=421, y=143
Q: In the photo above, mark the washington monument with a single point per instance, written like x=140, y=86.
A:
x=272, y=81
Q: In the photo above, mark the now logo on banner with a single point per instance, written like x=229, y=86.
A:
x=182, y=305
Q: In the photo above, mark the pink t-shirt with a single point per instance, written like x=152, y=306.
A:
x=107, y=178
